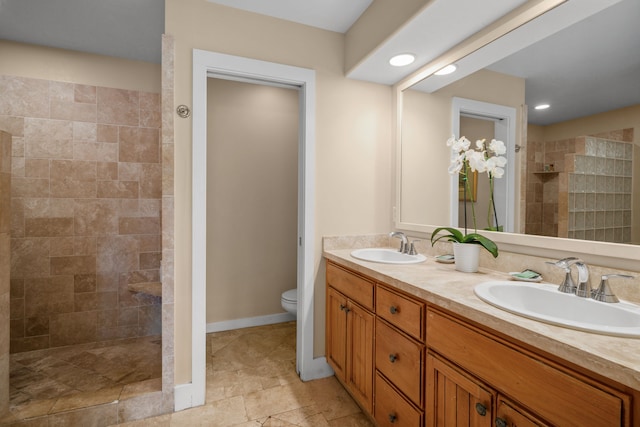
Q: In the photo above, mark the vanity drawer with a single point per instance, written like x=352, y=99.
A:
x=400, y=359
x=404, y=312
x=355, y=287
x=393, y=410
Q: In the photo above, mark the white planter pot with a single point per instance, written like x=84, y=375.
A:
x=467, y=256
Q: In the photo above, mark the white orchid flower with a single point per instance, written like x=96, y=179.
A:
x=480, y=144
x=494, y=166
x=460, y=145
x=451, y=140
x=497, y=147
x=456, y=164
x=476, y=161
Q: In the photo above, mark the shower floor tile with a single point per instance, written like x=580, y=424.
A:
x=61, y=379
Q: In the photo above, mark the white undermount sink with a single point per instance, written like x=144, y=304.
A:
x=387, y=256
x=543, y=302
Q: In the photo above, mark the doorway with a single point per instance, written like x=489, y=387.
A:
x=252, y=162
x=206, y=64
x=502, y=120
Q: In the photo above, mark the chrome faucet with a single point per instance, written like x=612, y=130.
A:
x=404, y=242
x=568, y=286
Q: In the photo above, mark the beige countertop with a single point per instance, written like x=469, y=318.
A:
x=613, y=357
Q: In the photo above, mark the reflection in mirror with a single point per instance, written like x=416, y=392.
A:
x=575, y=172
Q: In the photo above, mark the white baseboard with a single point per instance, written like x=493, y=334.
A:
x=182, y=397
x=248, y=322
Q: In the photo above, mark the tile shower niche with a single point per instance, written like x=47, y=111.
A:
x=598, y=191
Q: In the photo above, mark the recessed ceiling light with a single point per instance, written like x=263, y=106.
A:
x=542, y=106
x=446, y=70
x=402, y=59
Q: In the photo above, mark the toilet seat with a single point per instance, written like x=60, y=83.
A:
x=290, y=296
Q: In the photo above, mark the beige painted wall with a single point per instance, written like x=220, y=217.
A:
x=252, y=198
x=353, y=137
x=47, y=63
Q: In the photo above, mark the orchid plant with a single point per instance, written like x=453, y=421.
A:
x=466, y=159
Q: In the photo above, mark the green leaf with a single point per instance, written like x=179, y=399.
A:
x=456, y=235
x=486, y=243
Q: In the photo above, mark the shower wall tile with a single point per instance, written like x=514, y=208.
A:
x=107, y=133
x=148, y=225
x=24, y=97
x=86, y=187
x=118, y=106
x=73, y=328
x=95, y=217
x=29, y=257
x=49, y=227
x=72, y=265
x=139, y=145
x=29, y=187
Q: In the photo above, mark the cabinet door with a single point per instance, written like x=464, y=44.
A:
x=336, y=333
x=454, y=398
x=510, y=414
x=359, y=371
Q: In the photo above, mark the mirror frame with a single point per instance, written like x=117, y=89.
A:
x=615, y=255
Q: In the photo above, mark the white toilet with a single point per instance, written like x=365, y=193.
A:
x=289, y=301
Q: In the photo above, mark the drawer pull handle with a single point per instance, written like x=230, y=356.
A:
x=482, y=410
x=393, y=309
x=500, y=422
x=393, y=358
x=392, y=418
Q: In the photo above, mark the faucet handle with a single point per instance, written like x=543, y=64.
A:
x=567, y=286
x=604, y=292
x=412, y=248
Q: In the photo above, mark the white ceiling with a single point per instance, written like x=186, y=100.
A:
x=133, y=28
x=332, y=15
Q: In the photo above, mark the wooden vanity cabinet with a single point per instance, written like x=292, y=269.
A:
x=350, y=332
x=548, y=393
x=409, y=363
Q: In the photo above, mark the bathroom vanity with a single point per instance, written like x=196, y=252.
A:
x=415, y=347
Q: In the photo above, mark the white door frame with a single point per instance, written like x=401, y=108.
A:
x=505, y=130
x=205, y=63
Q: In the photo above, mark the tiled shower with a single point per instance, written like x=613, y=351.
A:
x=86, y=188
x=85, y=199
x=581, y=188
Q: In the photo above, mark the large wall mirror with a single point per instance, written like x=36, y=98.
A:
x=577, y=164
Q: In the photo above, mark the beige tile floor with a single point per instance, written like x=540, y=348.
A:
x=52, y=381
x=251, y=382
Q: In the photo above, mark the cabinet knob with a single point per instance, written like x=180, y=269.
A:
x=393, y=358
x=482, y=410
x=392, y=418
x=500, y=422
x=393, y=309
x=342, y=307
